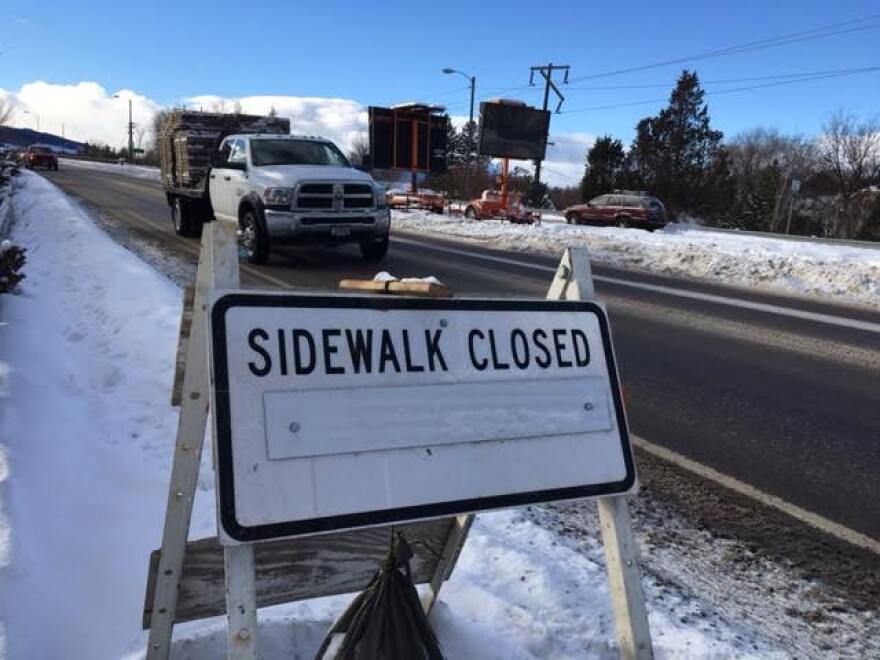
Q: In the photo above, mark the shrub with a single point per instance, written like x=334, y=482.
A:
x=12, y=260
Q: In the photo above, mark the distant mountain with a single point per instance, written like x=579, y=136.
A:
x=24, y=137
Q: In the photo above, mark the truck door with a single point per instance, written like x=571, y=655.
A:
x=218, y=183
x=235, y=176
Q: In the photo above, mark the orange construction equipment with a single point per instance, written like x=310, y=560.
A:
x=500, y=203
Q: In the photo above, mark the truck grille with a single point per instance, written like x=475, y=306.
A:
x=334, y=196
x=335, y=220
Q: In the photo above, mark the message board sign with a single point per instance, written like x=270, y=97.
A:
x=517, y=131
x=410, y=138
x=337, y=412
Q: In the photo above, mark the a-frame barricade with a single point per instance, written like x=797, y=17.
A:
x=202, y=578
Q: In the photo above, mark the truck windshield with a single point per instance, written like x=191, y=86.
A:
x=295, y=152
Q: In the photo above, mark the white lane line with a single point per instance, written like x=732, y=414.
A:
x=817, y=317
x=813, y=519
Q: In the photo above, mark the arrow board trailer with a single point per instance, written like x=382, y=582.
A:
x=338, y=412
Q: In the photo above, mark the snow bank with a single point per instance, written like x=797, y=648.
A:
x=136, y=171
x=834, y=271
x=90, y=345
x=85, y=460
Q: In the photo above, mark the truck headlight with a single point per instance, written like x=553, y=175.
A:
x=381, y=199
x=277, y=196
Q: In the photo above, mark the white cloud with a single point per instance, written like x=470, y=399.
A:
x=337, y=119
x=91, y=113
x=87, y=110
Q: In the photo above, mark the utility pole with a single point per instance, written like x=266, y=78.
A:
x=130, y=133
x=547, y=73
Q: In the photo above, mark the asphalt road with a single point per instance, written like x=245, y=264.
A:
x=782, y=393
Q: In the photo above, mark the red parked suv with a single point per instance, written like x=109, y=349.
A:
x=40, y=157
x=623, y=208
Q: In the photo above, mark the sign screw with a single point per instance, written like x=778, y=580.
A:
x=588, y=406
x=443, y=323
x=294, y=427
x=244, y=634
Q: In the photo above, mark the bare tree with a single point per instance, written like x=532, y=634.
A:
x=236, y=107
x=850, y=153
x=359, y=152
x=763, y=163
x=6, y=110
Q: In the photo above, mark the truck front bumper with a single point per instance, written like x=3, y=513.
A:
x=338, y=227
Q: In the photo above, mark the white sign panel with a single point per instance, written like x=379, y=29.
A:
x=335, y=412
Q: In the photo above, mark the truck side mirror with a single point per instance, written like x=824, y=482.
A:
x=236, y=165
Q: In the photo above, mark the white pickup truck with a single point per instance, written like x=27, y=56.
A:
x=294, y=189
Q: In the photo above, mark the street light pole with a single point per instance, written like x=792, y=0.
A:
x=467, y=172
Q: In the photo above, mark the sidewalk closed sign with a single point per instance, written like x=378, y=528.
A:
x=336, y=412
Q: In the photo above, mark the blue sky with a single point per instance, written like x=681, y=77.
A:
x=382, y=53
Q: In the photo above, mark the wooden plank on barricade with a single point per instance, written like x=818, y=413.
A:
x=300, y=568
x=186, y=318
x=414, y=288
x=574, y=281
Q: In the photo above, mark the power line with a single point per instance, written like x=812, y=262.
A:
x=781, y=40
x=442, y=94
x=871, y=22
x=720, y=81
x=729, y=91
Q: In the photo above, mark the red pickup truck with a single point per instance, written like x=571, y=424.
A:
x=36, y=156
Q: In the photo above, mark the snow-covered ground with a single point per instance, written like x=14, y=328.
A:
x=137, y=171
x=833, y=271
x=87, y=436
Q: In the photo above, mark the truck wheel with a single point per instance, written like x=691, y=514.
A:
x=374, y=251
x=253, y=241
x=572, y=219
x=182, y=217
x=623, y=222
x=470, y=213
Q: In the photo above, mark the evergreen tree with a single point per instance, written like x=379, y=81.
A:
x=605, y=164
x=679, y=157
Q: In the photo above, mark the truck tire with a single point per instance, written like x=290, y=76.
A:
x=253, y=241
x=624, y=222
x=182, y=217
x=470, y=213
x=374, y=251
x=573, y=219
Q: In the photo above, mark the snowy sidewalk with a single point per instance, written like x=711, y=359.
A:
x=88, y=434
x=845, y=273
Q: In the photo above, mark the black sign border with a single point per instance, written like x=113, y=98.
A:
x=225, y=477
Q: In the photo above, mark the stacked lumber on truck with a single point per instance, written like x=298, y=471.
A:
x=188, y=140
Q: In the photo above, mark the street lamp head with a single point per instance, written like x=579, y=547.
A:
x=447, y=70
